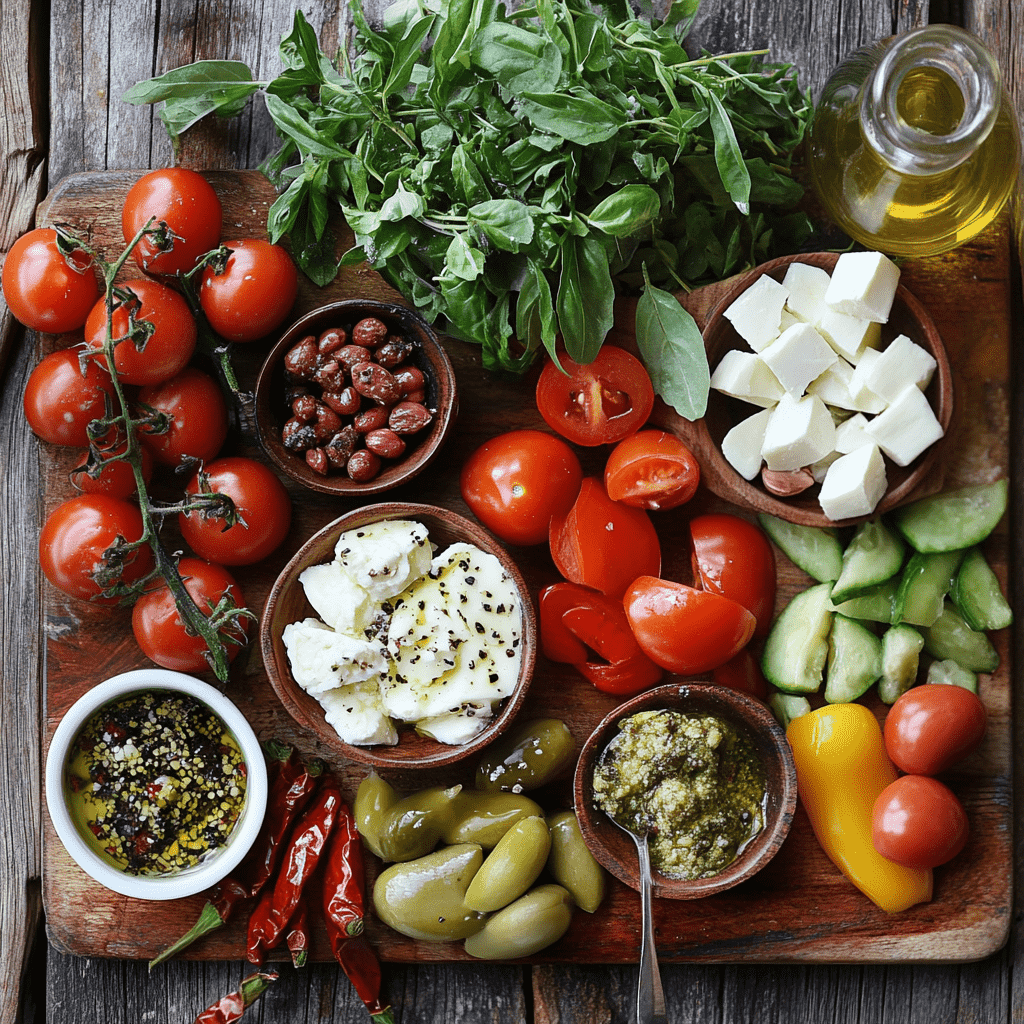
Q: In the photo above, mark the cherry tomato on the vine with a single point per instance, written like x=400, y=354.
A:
x=44, y=289
x=60, y=402
x=933, y=726
x=686, y=630
x=186, y=203
x=169, y=347
x=919, y=822
x=596, y=403
x=260, y=499
x=78, y=533
x=115, y=477
x=160, y=631
x=198, y=417
x=255, y=292
x=603, y=544
x=517, y=481
x=651, y=469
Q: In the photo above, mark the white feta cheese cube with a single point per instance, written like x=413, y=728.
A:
x=787, y=321
x=357, y=715
x=742, y=445
x=864, y=399
x=820, y=468
x=807, y=286
x=864, y=285
x=339, y=601
x=900, y=364
x=384, y=557
x=854, y=484
x=757, y=312
x=849, y=335
x=799, y=432
x=851, y=435
x=797, y=356
x=907, y=427
x=745, y=375
x=322, y=659
x=833, y=386
x=459, y=726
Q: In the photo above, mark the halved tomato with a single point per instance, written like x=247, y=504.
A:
x=651, y=469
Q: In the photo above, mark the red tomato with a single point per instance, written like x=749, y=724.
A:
x=596, y=403
x=932, y=727
x=255, y=292
x=652, y=469
x=44, y=289
x=184, y=203
x=198, y=418
x=77, y=534
x=734, y=558
x=919, y=822
x=167, y=350
x=743, y=673
x=161, y=633
x=685, y=630
x=603, y=544
x=516, y=482
x=60, y=402
x=115, y=478
x=260, y=499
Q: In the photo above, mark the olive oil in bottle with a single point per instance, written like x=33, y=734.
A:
x=915, y=147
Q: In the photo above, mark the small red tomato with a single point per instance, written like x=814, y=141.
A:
x=517, y=481
x=743, y=673
x=651, y=469
x=60, y=402
x=918, y=822
x=198, y=417
x=932, y=727
x=685, y=630
x=115, y=478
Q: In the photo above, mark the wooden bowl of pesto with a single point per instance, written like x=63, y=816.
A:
x=705, y=770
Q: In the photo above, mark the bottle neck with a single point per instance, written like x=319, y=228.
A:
x=931, y=101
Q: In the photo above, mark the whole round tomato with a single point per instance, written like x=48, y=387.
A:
x=260, y=500
x=603, y=544
x=159, y=629
x=187, y=211
x=198, y=418
x=685, y=630
x=933, y=726
x=77, y=534
x=114, y=478
x=517, y=481
x=596, y=403
x=651, y=469
x=734, y=558
x=918, y=822
x=44, y=289
x=60, y=402
x=254, y=293
x=169, y=347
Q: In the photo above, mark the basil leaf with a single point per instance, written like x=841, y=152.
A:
x=463, y=261
x=627, y=211
x=291, y=123
x=729, y=157
x=584, y=119
x=506, y=222
x=407, y=52
x=536, y=324
x=520, y=61
x=585, y=298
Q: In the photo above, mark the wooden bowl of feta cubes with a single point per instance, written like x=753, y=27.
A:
x=830, y=390
x=401, y=635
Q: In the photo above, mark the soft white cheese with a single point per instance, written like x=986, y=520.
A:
x=849, y=335
x=756, y=314
x=745, y=375
x=339, y=601
x=384, y=557
x=797, y=356
x=851, y=435
x=863, y=285
x=322, y=659
x=807, y=286
x=854, y=484
x=833, y=386
x=357, y=715
x=907, y=427
x=900, y=364
x=820, y=468
x=458, y=726
x=742, y=445
x=864, y=399
x=799, y=432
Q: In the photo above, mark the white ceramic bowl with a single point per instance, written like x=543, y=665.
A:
x=211, y=870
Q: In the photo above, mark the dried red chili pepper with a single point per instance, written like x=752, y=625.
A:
x=232, y=1006
x=258, y=935
x=297, y=938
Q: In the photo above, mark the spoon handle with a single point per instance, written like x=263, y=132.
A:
x=650, y=997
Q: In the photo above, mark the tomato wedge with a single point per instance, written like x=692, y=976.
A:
x=596, y=403
x=743, y=673
x=651, y=469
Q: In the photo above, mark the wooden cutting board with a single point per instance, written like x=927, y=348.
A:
x=799, y=908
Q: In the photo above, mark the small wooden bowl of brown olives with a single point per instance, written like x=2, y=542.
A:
x=356, y=398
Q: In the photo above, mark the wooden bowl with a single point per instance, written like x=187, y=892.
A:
x=429, y=355
x=615, y=850
x=908, y=317
x=287, y=603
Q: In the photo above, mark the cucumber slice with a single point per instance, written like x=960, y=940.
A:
x=787, y=706
x=854, y=660
x=797, y=647
x=901, y=655
x=949, y=637
x=976, y=593
x=956, y=519
x=815, y=550
x=924, y=585
x=874, y=555
x=949, y=673
x=874, y=604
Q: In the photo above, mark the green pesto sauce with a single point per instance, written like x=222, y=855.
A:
x=694, y=783
x=156, y=782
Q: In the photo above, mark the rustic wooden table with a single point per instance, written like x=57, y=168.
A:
x=65, y=67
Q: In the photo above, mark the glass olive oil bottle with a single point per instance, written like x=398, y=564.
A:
x=915, y=147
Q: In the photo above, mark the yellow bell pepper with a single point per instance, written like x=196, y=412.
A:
x=841, y=768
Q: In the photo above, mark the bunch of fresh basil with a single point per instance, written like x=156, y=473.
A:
x=503, y=170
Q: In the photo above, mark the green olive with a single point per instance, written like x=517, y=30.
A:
x=412, y=827
x=485, y=817
x=527, y=758
x=423, y=898
x=511, y=867
x=525, y=927
x=374, y=798
x=571, y=864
